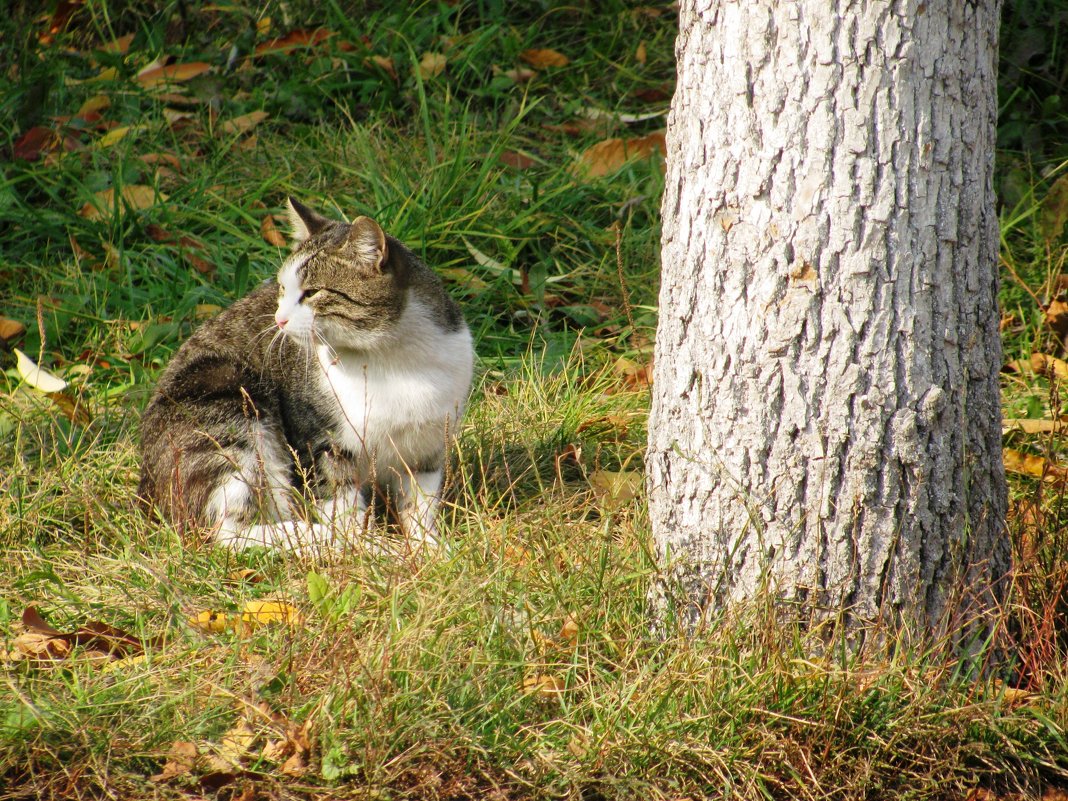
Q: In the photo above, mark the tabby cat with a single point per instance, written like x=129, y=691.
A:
x=348, y=372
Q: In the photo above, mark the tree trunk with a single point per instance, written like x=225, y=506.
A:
x=826, y=417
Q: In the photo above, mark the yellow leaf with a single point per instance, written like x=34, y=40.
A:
x=263, y=26
x=136, y=196
x=259, y=613
x=154, y=75
x=616, y=488
x=541, y=58
x=611, y=154
x=640, y=55
x=114, y=135
x=569, y=630
x=244, y=123
x=543, y=684
x=237, y=743
x=431, y=65
x=210, y=622
x=35, y=376
x=72, y=408
x=1030, y=465
x=94, y=103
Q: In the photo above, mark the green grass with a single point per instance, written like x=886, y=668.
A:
x=521, y=663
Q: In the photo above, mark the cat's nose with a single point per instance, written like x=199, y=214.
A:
x=280, y=320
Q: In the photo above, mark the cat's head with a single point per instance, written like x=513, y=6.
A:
x=344, y=282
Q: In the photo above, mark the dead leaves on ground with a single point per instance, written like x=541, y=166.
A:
x=611, y=155
x=260, y=734
x=40, y=642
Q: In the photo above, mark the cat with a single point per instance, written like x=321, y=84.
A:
x=347, y=373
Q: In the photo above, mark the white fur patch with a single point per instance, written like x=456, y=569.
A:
x=292, y=317
x=397, y=401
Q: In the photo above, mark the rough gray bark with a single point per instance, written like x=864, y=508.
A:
x=826, y=415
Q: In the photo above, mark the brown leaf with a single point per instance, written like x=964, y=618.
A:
x=121, y=45
x=517, y=160
x=37, y=646
x=36, y=141
x=244, y=123
x=171, y=73
x=72, y=408
x=640, y=54
x=189, y=248
x=431, y=65
x=574, y=127
x=516, y=74
x=136, y=196
x=384, y=63
x=611, y=154
x=1049, y=366
x=169, y=159
x=1056, y=315
x=542, y=58
x=1029, y=465
x=293, y=40
x=11, y=329
x=569, y=630
x=1030, y=426
x=270, y=233
x=180, y=762
x=634, y=376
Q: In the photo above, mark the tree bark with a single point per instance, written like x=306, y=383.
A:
x=826, y=417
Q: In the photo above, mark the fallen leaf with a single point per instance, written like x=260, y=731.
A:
x=237, y=743
x=136, y=196
x=431, y=65
x=36, y=141
x=1056, y=318
x=611, y=154
x=543, y=684
x=384, y=63
x=93, y=105
x=205, y=311
x=189, y=248
x=1032, y=426
x=616, y=488
x=1030, y=465
x=175, y=116
x=270, y=233
x=635, y=376
x=542, y=58
x=36, y=646
x=244, y=123
x=263, y=26
x=120, y=45
x=172, y=73
x=294, y=39
x=517, y=74
x=11, y=329
x=210, y=622
x=35, y=376
x=260, y=613
x=180, y=761
x=1049, y=366
x=517, y=160
x=569, y=630
x=162, y=158
x=1055, y=209
x=115, y=135
x=72, y=408
x=640, y=54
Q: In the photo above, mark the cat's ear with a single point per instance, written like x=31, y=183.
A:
x=303, y=222
x=366, y=243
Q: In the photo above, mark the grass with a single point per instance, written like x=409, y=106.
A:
x=520, y=664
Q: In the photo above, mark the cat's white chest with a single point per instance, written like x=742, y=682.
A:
x=401, y=406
